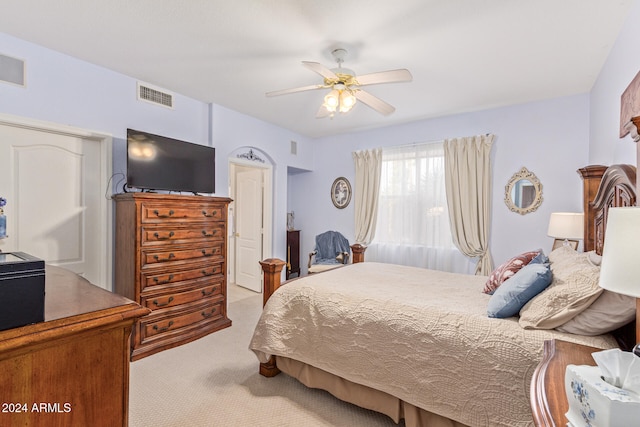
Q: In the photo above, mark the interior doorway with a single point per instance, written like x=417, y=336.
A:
x=250, y=213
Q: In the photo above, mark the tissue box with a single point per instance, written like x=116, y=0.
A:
x=596, y=403
x=21, y=290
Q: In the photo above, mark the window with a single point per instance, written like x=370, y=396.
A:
x=412, y=206
x=413, y=220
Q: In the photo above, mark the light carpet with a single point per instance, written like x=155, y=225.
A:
x=214, y=381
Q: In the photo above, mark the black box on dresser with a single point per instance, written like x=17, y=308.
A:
x=22, y=290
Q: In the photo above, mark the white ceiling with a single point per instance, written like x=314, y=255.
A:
x=465, y=55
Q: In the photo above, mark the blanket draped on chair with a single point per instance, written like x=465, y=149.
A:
x=329, y=245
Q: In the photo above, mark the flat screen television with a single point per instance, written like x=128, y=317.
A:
x=156, y=162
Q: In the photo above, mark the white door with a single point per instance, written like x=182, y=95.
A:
x=249, y=217
x=52, y=184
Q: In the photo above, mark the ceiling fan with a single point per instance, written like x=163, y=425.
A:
x=345, y=86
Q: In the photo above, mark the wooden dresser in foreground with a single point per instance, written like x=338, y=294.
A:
x=171, y=257
x=548, y=396
x=73, y=368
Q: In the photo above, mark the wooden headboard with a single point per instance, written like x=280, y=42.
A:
x=605, y=188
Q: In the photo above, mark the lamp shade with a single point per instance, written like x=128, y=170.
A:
x=620, y=267
x=566, y=225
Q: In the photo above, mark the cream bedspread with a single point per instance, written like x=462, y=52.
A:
x=420, y=335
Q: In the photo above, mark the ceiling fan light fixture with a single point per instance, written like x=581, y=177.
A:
x=347, y=101
x=339, y=100
x=332, y=101
x=346, y=87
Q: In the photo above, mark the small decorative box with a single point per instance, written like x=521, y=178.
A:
x=21, y=289
x=596, y=403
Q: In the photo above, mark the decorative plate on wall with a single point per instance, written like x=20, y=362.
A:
x=341, y=192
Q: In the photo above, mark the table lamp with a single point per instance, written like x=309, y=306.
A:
x=620, y=267
x=567, y=228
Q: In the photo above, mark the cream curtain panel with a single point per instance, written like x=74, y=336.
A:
x=468, y=184
x=368, y=165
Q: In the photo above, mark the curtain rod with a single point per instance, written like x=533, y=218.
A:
x=411, y=144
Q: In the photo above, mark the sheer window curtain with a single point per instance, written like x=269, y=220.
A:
x=468, y=172
x=413, y=219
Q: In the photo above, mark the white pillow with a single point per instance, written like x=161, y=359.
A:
x=564, y=254
x=594, y=258
x=574, y=287
x=609, y=312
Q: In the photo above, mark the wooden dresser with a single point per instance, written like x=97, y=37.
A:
x=171, y=257
x=73, y=368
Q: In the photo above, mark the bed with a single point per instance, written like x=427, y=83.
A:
x=418, y=345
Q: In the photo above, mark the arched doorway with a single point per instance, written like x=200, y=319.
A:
x=250, y=213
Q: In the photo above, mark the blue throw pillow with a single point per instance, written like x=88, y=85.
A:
x=541, y=258
x=514, y=293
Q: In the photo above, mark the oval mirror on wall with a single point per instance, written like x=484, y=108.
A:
x=523, y=192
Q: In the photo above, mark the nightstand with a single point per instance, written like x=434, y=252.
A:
x=548, y=396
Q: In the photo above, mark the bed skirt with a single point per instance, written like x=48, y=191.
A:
x=363, y=396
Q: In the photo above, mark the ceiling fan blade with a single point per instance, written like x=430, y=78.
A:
x=320, y=69
x=391, y=76
x=294, y=90
x=374, y=102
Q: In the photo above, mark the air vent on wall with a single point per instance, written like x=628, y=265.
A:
x=154, y=95
x=12, y=70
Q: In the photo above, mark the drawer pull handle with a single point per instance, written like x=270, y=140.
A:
x=169, y=258
x=206, y=294
x=157, y=236
x=166, y=328
x=171, y=212
x=204, y=252
x=209, y=215
x=212, y=234
x=204, y=273
x=158, y=282
x=209, y=314
x=157, y=304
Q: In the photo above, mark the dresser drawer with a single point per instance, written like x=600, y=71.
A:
x=153, y=235
x=190, y=291
x=158, y=278
x=160, y=327
x=152, y=256
x=187, y=212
